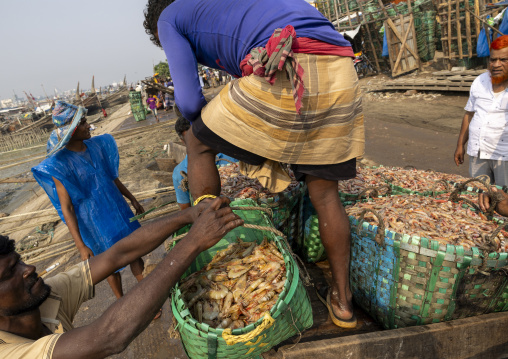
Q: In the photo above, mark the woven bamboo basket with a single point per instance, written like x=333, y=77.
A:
x=406, y=280
x=290, y=315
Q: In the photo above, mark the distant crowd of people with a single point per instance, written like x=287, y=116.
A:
x=213, y=78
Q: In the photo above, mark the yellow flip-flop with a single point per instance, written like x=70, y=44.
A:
x=342, y=323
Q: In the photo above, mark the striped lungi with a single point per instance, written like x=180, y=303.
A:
x=262, y=119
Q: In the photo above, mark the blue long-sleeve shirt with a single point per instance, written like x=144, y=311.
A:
x=220, y=33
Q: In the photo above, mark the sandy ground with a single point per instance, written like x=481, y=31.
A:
x=419, y=130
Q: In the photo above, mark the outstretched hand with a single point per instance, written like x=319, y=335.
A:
x=212, y=222
x=501, y=208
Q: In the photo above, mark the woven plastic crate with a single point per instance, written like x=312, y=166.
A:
x=313, y=249
x=290, y=315
x=283, y=206
x=406, y=280
x=293, y=226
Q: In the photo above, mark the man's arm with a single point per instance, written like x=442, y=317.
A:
x=128, y=316
x=71, y=220
x=463, y=138
x=126, y=193
x=182, y=65
x=139, y=243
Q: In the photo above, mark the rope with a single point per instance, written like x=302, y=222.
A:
x=375, y=191
x=494, y=197
x=434, y=187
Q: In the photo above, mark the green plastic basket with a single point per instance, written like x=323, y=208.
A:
x=403, y=280
x=137, y=108
x=292, y=313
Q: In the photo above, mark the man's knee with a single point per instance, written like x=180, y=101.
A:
x=322, y=192
x=194, y=145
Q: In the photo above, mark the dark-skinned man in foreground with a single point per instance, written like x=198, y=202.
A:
x=36, y=315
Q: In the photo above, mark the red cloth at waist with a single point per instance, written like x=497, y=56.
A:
x=304, y=45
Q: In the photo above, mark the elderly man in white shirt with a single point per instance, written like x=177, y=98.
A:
x=485, y=123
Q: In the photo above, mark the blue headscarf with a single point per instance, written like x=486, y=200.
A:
x=66, y=118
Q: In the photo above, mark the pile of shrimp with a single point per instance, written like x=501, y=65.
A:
x=239, y=285
x=365, y=177
x=412, y=179
x=236, y=185
x=441, y=220
x=418, y=180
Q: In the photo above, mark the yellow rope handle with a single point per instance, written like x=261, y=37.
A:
x=244, y=338
x=203, y=197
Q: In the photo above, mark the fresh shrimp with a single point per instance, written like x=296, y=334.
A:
x=228, y=300
x=219, y=291
x=240, y=287
x=270, y=267
x=210, y=310
x=237, y=271
x=217, y=275
x=249, y=250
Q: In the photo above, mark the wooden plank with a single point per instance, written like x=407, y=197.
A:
x=482, y=336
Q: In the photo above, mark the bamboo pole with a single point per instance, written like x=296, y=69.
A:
x=458, y=28
x=477, y=17
x=468, y=30
x=336, y=12
x=449, y=24
x=373, y=48
x=485, y=23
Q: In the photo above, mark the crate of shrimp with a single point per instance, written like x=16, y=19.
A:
x=284, y=205
x=420, y=260
x=243, y=296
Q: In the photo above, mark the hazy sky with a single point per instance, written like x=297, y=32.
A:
x=58, y=43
